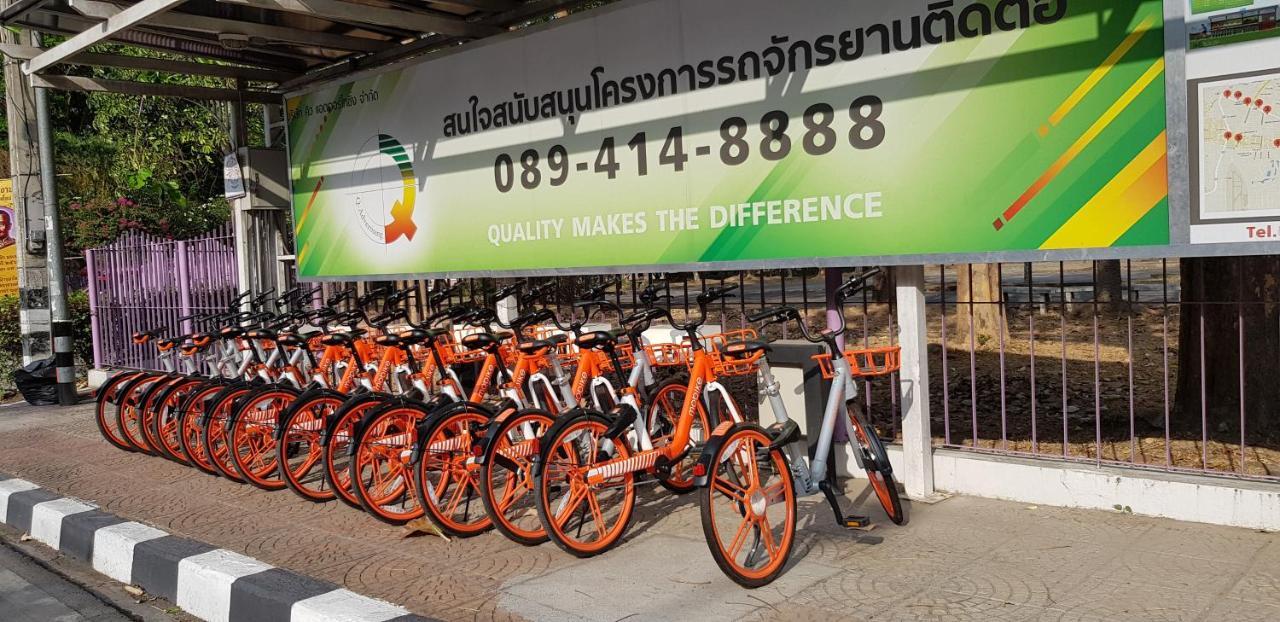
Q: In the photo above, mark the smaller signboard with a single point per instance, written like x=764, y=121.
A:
x=8, y=241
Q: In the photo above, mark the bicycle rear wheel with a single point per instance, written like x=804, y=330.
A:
x=129, y=412
x=191, y=426
x=253, y=436
x=749, y=508
x=217, y=425
x=338, y=447
x=875, y=461
x=164, y=425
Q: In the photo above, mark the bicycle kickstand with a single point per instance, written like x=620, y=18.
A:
x=851, y=521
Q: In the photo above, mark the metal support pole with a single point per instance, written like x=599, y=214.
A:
x=917, y=436
x=184, y=285
x=95, y=329
x=63, y=354
x=834, y=279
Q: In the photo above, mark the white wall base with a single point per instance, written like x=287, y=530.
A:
x=1044, y=481
x=99, y=377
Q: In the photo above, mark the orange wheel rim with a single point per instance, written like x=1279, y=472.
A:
x=337, y=457
x=450, y=476
x=513, y=498
x=254, y=438
x=303, y=433
x=380, y=460
x=741, y=499
x=582, y=519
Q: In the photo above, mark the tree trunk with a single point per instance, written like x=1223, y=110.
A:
x=978, y=298
x=1108, y=285
x=1250, y=289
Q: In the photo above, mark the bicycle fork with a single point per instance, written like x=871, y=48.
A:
x=819, y=473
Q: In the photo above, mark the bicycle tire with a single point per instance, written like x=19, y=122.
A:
x=106, y=413
x=386, y=438
x=560, y=467
x=256, y=461
x=301, y=428
x=508, y=462
x=879, y=472
x=446, y=456
x=734, y=494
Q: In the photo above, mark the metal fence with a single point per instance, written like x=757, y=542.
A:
x=1105, y=363
x=140, y=282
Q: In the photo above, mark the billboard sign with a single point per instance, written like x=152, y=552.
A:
x=698, y=133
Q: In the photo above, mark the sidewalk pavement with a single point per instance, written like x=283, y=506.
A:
x=964, y=558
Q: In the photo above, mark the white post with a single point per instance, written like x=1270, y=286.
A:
x=508, y=309
x=913, y=332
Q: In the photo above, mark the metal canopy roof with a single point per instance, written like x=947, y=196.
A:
x=266, y=46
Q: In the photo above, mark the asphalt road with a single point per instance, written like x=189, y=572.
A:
x=30, y=593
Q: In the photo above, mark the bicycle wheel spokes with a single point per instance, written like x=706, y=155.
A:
x=585, y=518
x=382, y=475
x=509, y=493
x=449, y=476
x=301, y=454
x=749, y=511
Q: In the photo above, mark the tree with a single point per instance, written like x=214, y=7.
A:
x=978, y=292
x=1209, y=287
x=1108, y=284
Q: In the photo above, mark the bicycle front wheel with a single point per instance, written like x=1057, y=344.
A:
x=749, y=508
x=584, y=508
x=875, y=462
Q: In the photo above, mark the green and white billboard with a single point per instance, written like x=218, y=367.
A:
x=698, y=132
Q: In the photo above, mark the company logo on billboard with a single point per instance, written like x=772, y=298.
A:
x=388, y=191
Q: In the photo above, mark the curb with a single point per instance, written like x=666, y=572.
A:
x=212, y=584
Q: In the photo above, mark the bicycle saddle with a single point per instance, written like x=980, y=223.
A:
x=481, y=341
x=534, y=347
x=231, y=332
x=413, y=336
x=600, y=339
x=744, y=349
x=388, y=340
x=341, y=339
x=261, y=333
x=293, y=340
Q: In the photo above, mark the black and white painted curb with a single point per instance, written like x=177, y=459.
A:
x=212, y=584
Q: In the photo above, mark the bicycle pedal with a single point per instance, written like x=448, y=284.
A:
x=861, y=523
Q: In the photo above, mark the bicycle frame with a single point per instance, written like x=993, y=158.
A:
x=809, y=474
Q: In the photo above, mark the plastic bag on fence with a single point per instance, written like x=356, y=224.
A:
x=38, y=383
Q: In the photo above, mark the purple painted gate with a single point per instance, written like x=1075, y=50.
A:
x=141, y=282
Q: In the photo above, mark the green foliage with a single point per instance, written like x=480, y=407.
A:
x=140, y=163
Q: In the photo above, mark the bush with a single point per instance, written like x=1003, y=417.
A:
x=11, y=336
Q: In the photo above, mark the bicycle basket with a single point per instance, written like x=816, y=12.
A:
x=864, y=362
x=725, y=366
x=669, y=354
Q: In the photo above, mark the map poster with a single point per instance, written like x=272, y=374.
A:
x=8, y=245
x=1211, y=23
x=1236, y=139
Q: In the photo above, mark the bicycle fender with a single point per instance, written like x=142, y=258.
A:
x=311, y=393
x=490, y=434
x=434, y=416
x=719, y=436
x=219, y=397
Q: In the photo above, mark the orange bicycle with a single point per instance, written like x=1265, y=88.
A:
x=589, y=462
